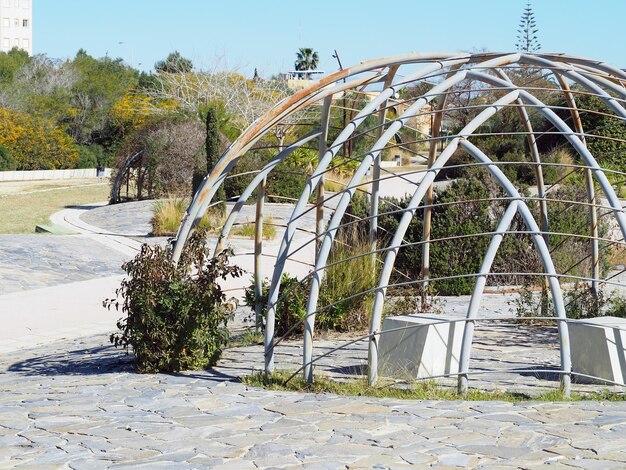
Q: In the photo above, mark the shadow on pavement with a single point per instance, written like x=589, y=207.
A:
x=98, y=360
x=88, y=361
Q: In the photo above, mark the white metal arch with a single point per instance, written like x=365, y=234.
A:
x=596, y=78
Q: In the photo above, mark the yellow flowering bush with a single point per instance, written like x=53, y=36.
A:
x=35, y=143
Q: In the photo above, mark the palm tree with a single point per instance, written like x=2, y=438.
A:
x=306, y=59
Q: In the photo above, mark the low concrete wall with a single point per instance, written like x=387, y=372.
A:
x=52, y=174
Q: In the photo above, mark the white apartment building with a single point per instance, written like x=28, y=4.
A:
x=16, y=25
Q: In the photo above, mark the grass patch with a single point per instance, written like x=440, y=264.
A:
x=422, y=390
x=168, y=213
x=19, y=213
x=247, y=229
x=249, y=337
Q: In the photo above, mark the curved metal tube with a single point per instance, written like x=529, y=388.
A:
x=477, y=292
x=591, y=191
x=346, y=197
x=546, y=259
x=308, y=190
x=117, y=184
x=534, y=152
x=403, y=225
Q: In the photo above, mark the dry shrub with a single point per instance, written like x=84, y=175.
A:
x=170, y=150
x=168, y=214
x=352, y=271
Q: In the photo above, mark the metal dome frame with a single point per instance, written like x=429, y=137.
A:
x=450, y=68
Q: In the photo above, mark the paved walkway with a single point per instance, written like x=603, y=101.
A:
x=75, y=403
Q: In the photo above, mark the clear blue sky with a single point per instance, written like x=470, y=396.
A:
x=266, y=33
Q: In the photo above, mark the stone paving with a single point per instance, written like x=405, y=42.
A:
x=77, y=404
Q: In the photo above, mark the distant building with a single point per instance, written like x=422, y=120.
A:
x=16, y=25
x=299, y=79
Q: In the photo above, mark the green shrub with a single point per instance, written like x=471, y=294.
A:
x=464, y=211
x=580, y=302
x=284, y=183
x=570, y=253
x=248, y=229
x=344, y=279
x=86, y=158
x=291, y=306
x=6, y=161
x=176, y=314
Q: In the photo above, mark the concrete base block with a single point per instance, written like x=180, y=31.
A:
x=425, y=349
x=599, y=348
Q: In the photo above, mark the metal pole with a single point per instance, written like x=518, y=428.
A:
x=374, y=202
x=309, y=324
x=591, y=192
x=258, y=254
x=323, y=147
x=541, y=189
x=536, y=157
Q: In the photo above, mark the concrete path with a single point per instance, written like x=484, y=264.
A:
x=72, y=310
x=42, y=297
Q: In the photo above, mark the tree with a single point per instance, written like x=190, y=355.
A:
x=174, y=63
x=11, y=62
x=212, y=153
x=34, y=143
x=6, y=161
x=527, y=33
x=306, y=59
x=101, y=83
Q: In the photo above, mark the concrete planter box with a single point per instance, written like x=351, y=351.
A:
x=599, y=348
x=426, y=349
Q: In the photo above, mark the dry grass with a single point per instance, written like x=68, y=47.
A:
x=617, y=255
x=168, y=214
x=19, y=213
x=336, y=182
x=350, y=272
x=247, y=229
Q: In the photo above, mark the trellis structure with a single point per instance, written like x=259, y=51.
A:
x=399, y=91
